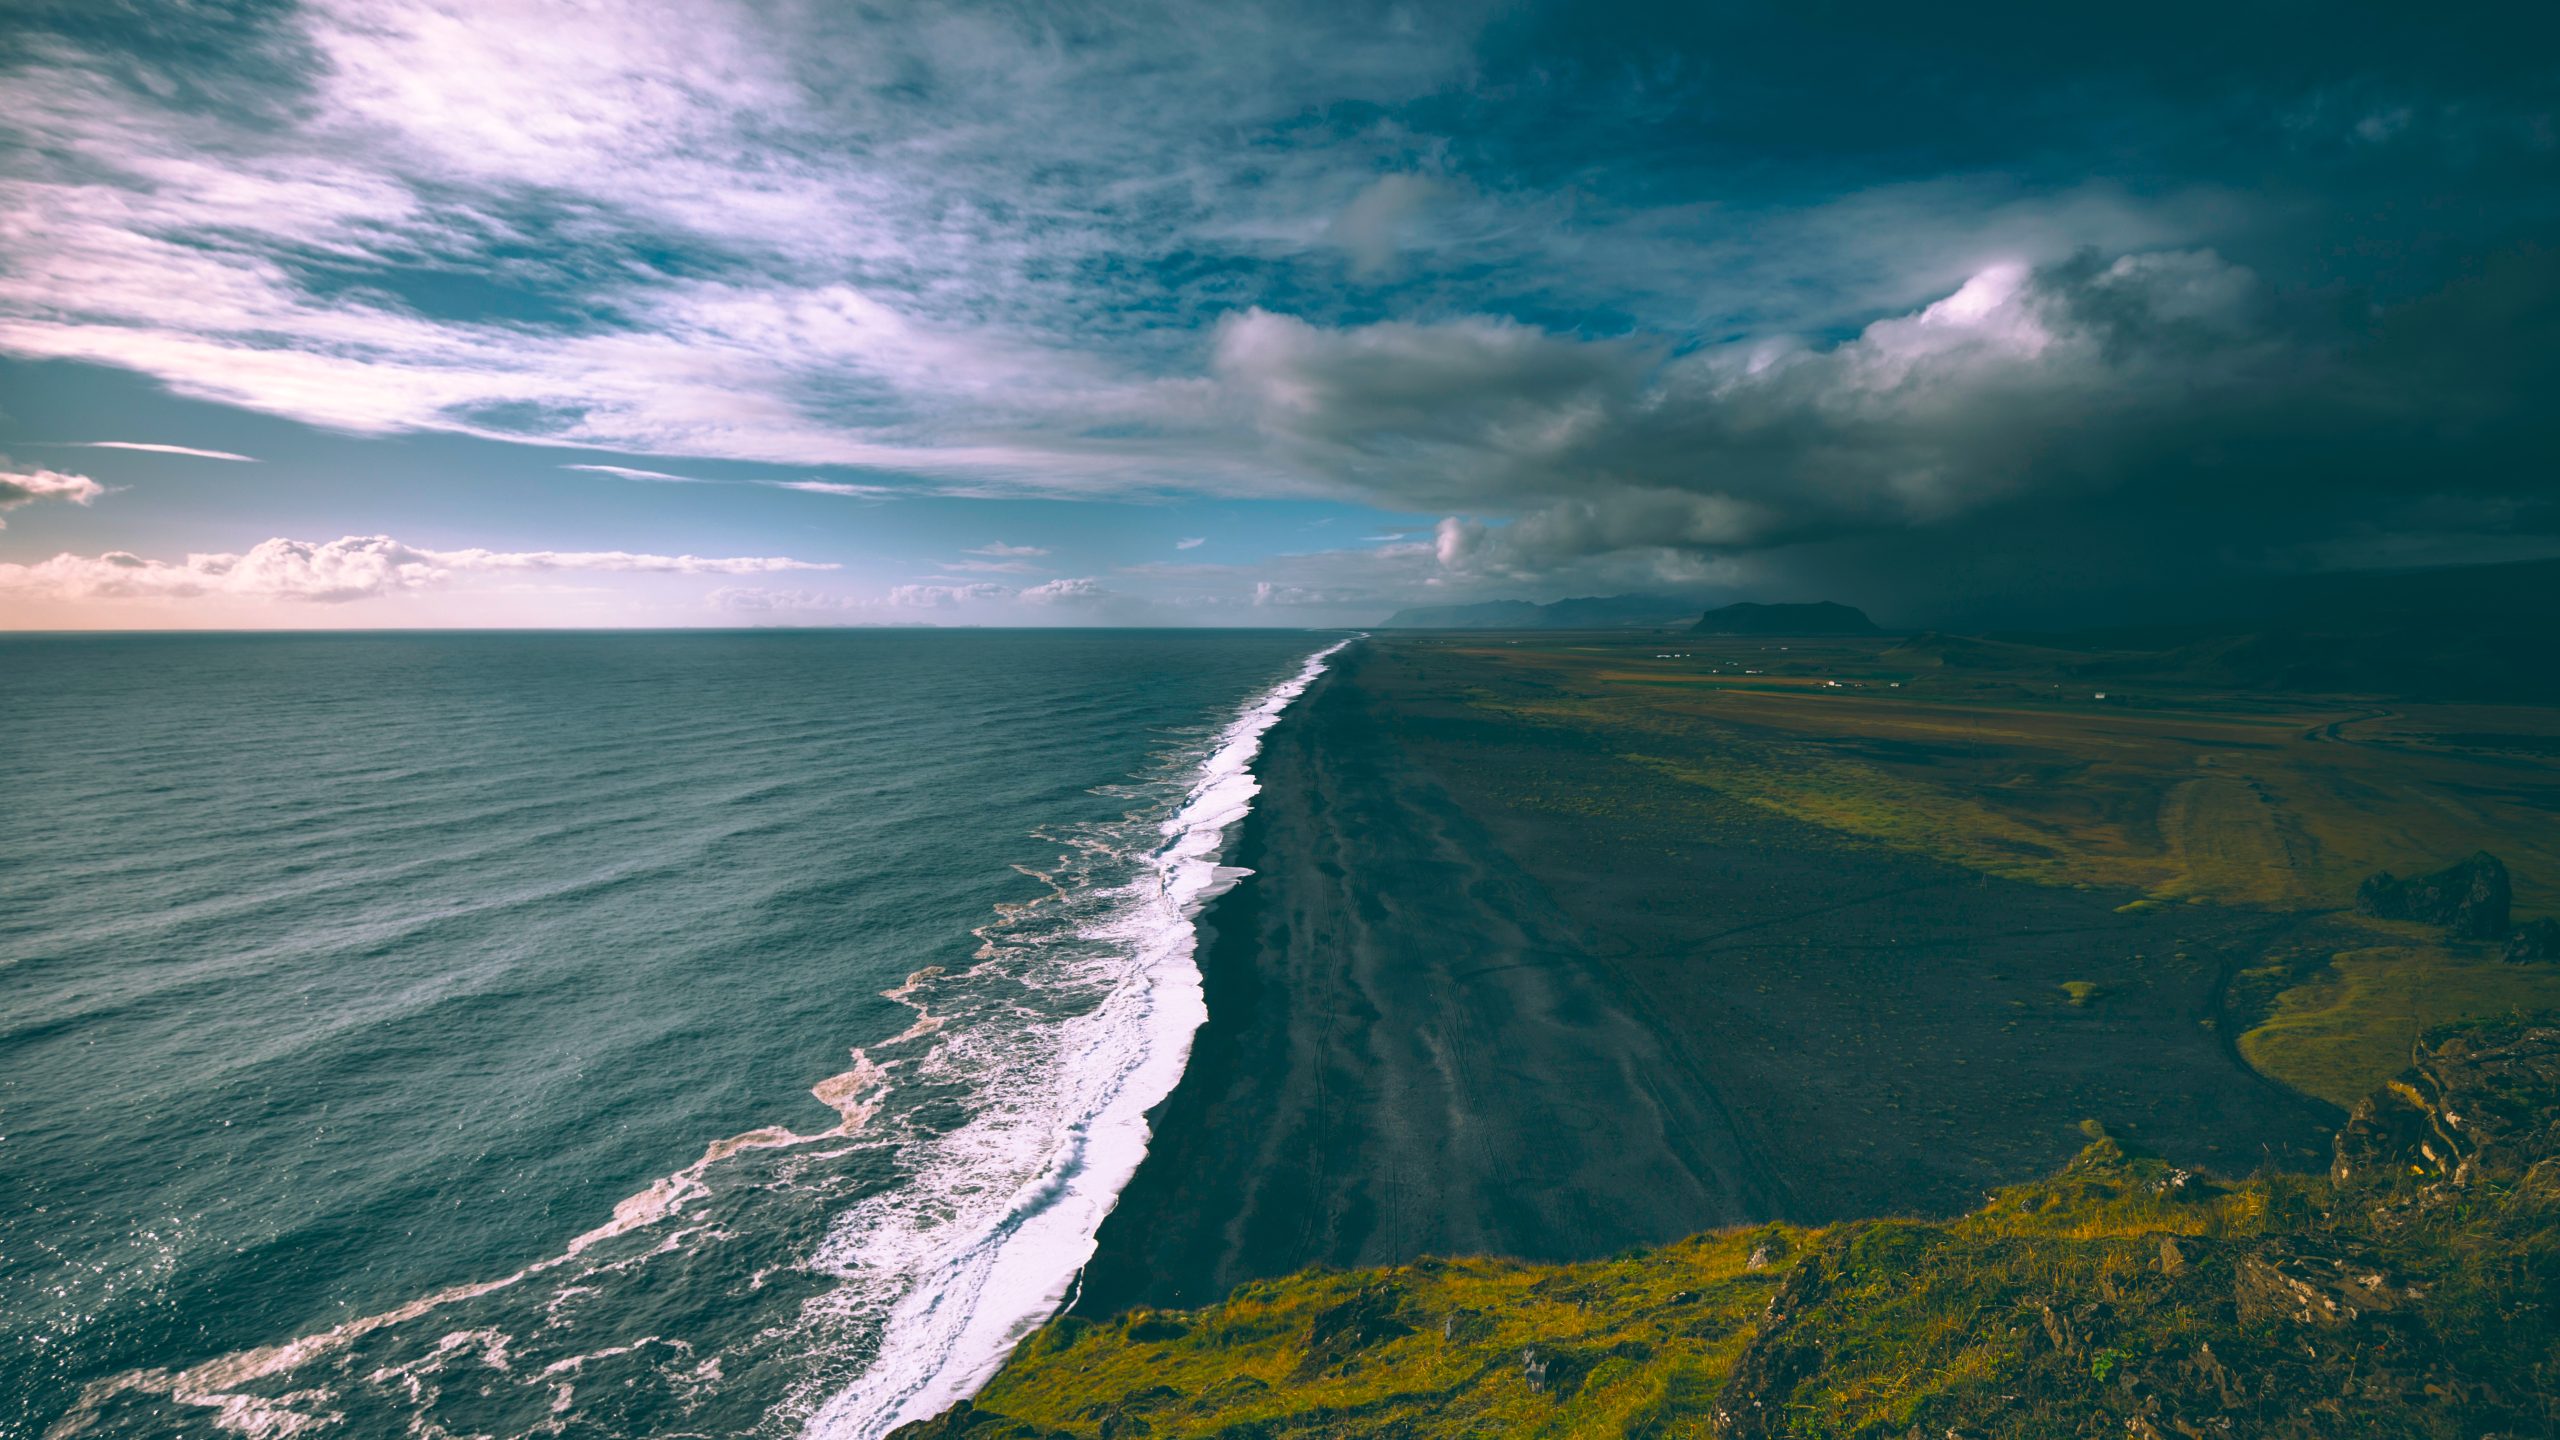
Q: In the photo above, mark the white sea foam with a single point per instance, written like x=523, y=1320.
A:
x=985, y=1242
x=993, y=1220
x=216, y=1384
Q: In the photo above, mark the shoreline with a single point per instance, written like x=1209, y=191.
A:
x=1036, y=1249
x=1443, y=1021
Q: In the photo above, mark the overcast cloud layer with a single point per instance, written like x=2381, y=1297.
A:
x=1897, y=306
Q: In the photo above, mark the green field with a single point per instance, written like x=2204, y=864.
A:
x=2040, y=764
x=2340, y=1033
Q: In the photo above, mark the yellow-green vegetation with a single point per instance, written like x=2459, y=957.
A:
x=1504, y=1348
x=2410, y=1293
x=2353, y=1023
x=2082, y=991
x=2003, y=759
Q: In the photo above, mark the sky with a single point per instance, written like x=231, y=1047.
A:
x=360, y=313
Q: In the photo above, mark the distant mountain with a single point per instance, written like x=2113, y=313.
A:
x=1485, y=615
x=1590, y=612
x=1822, y=617
x=2457, y=633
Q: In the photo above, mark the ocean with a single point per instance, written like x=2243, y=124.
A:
x=598, y=1035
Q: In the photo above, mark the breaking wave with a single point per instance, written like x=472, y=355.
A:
x=842, y=1281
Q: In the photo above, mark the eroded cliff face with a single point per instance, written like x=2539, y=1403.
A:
x=2412, y=1294
x=2481, y=1102
x=2413, y=1291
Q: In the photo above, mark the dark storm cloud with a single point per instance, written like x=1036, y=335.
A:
x=1608, y=290
x=2096, y=394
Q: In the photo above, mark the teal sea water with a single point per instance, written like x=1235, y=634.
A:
x=584, y=1035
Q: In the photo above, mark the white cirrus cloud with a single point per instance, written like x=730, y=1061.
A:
x=830, y=487
x=668, y=477
x=627, y=472
x=846, y=295
x=354, y=567
x=26, y=487
x=1385, y=220
x=151, y=449
x=1191, y=543
x=1002, y=551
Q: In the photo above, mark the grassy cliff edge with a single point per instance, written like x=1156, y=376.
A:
x=2410, y=1292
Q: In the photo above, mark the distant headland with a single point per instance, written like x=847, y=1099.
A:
x=1640, y=612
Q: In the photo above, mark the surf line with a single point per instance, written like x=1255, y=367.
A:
x=1004, y=1278
x=1025, y=1259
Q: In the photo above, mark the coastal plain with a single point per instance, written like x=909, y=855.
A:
x=1559, y=945
x=1663, y=1035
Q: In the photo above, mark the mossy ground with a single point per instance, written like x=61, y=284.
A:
x=2178, y=791
x=2351, y=1024
x=2123, y=1296
x=1451, y=1347
x=2002, y=758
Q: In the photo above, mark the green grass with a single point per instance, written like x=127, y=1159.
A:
x=2191, y=795
x=2123, y=1296
x=1462, y=1346
x=2352, y=1025
x=2185, y=792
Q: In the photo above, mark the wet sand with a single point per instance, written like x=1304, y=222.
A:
x=1448, y=1019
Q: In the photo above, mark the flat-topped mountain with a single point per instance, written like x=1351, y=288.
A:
x=1821, y=617
x=1588, y=612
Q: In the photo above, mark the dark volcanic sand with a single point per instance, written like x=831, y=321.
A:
x=1445, y=1022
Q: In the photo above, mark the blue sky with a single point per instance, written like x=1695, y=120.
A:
x=690, y=313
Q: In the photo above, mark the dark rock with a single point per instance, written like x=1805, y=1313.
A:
x=1151, y=1327
x=1368, y=1319
x=966, y=1420
x=1233, y=1390
x=2320, y=1283
x=1557, y=1371
x=2534, y=940
x=2485, y=1100
x=2469, y=898
x=1765, y=1374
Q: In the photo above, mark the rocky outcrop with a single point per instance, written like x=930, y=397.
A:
x=2336, y=1314
x=1365, y=1321
x=2470, y=898
x=2534, y=940
x=966, y=1420
x=2482, y=1102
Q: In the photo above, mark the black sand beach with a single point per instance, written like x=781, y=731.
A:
x=1450, y=1014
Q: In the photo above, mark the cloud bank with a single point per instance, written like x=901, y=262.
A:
x=1601, y=295
x=356, y=567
